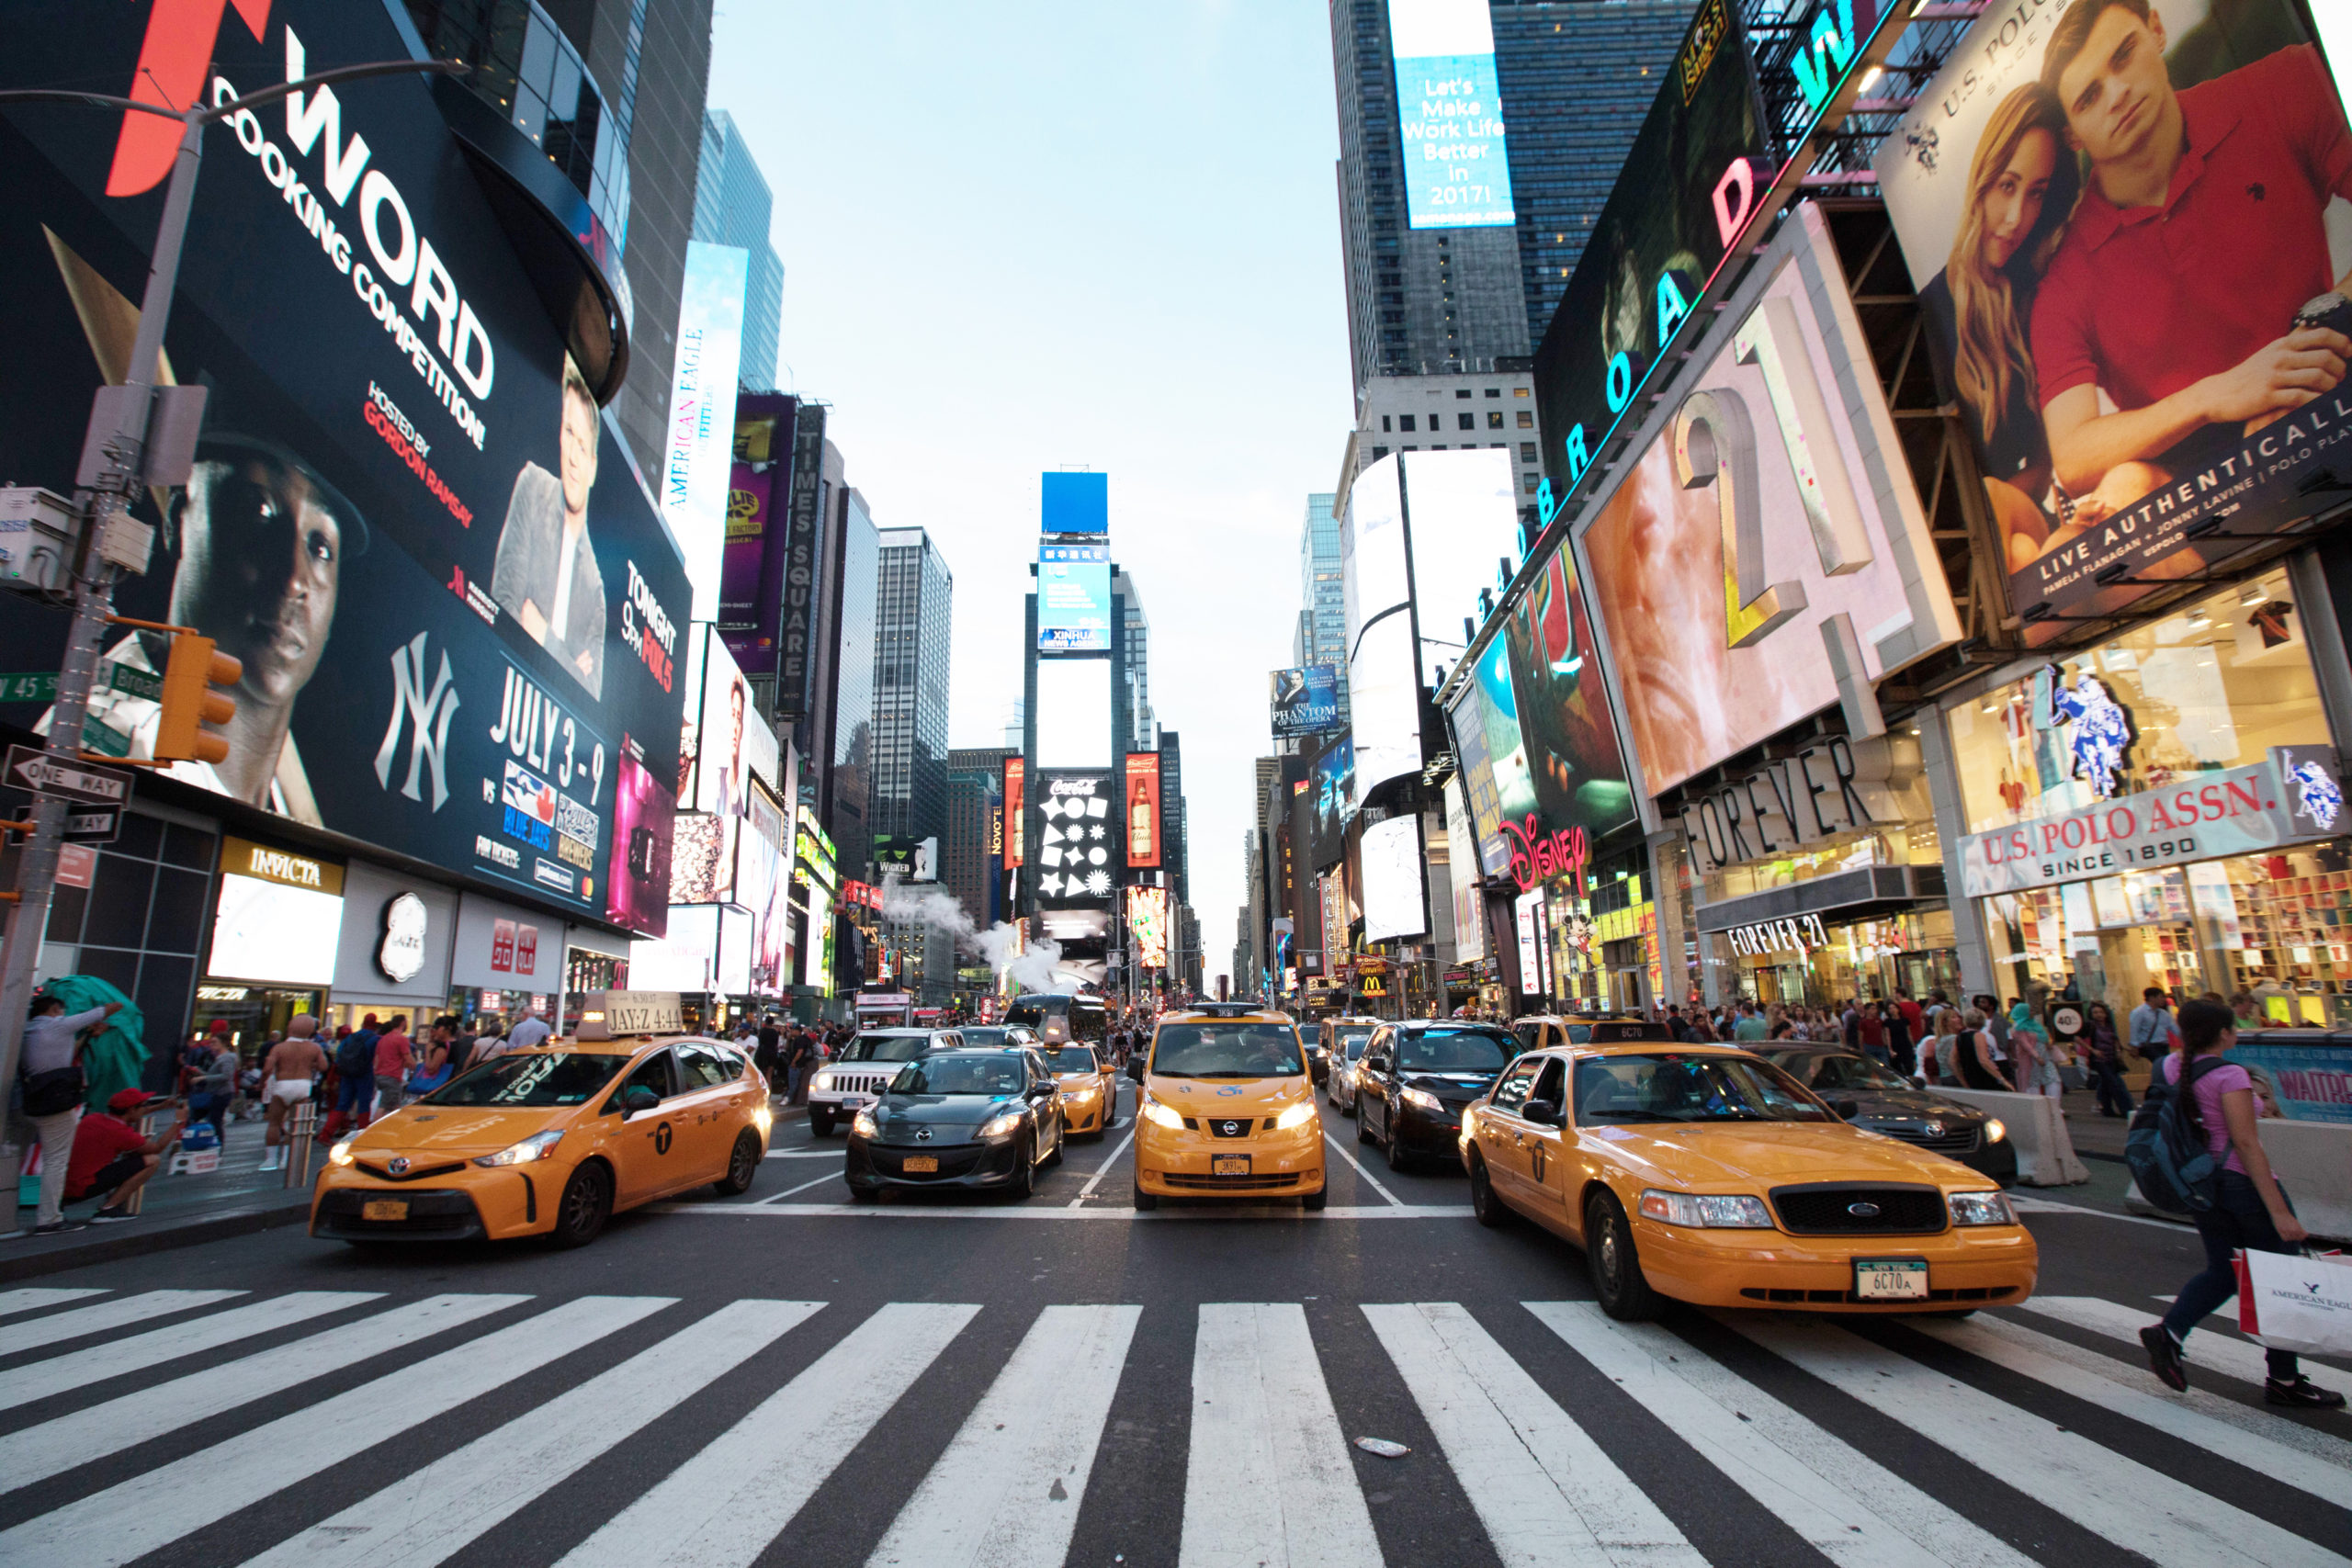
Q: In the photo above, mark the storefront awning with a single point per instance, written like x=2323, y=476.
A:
x=1869, y=893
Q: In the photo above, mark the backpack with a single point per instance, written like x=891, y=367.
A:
x=2164, y=1146
x=355, y=1056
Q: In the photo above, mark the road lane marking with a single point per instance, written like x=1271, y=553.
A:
x=1009, y=1485
x=828, y=1176
x=772, y=1209
x=1352, y=1159
x=2006, y=1344
x=33, y=1297
x=431, y=1514
x=724, y=1506
x=231, y=1328
x=2241, y=1360
x=105, y=1317
x=1270, y=1481
x=2140, y=1509
x=1545, y=1490
x=1843, y=1503
x=128, y=1520
x=1102, y=1170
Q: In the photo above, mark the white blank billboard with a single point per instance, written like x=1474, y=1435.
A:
x=1073, y=713
x=274, y=933
x=1391, y=879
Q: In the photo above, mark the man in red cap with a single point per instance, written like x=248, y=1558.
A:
x=111, y=1161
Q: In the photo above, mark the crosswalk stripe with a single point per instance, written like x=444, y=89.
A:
x=1008, y=1489
x=425, y=1516
x=110, y=1527
x=2232, y=1358
x=1850, y=1508
x=217, y=1331
x=2004, y=1346
x=722, y=1508
x=1261, y=1409
x=34, y=1297
x=2138, y=1508
x=36, y=1454
x=1545, y=1490
x=105, y=1317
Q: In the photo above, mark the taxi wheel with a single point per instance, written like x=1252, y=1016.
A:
x=1615, y=1266
x=1146, y=1199
x=742, y=1163
x=1483, y=1201
x=1313, y=1203
x=586, y=1204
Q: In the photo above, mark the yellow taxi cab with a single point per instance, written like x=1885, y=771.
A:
x=1706, y=1174
x=551, y=1140
x=1228, y=1108
x=1088, y=1084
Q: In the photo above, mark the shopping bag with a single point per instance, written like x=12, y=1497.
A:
x=2297, y=1303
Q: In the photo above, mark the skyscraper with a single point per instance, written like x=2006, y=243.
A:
x=732, y=207
x=913, y=607
x=1135, y=632
x=1576, y=78
x=971, y=856
x=1322, y=597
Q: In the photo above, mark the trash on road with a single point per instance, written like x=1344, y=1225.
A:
x=1382, y=1446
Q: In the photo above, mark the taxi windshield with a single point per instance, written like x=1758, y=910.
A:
x=1355, y=1043
x=1226, y=1050
x=532, y=1079
x=1453, y=1051
x=1834, y=1070
x=962, y=1075
x=1670, y=1087
x=886, y=1048
x=1072, y=1059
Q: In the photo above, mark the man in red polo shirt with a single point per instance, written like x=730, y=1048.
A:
x=110, y=1160
x=2197, y=239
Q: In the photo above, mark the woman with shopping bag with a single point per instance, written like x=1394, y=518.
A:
x=2248, y=1211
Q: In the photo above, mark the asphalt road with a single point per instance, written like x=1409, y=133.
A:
x=782, y=1379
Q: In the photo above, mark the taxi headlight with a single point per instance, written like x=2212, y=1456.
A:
x=1996, y=1130
x=861, y=1124
x=537, y=1146
x=1298, y=1115
x=1707, y=1210
x=1422, y=1098
x=1981, y=1209
x=999, y=1127
x=1161, y=1115
x=340, y=1154
x=1084, y=1091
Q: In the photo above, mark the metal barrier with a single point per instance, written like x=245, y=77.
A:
x=301, y=1138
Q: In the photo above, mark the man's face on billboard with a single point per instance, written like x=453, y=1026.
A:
x=2115, y=91
x=735, y=717
x=579, y=450
x=261, y=561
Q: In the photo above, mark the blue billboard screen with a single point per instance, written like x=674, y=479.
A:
x=1449, y=108
x=1076, y=504
x=1073, y=598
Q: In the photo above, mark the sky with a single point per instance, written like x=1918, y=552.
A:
x=1026, y=236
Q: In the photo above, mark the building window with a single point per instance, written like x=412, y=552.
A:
x=1405, y=422
x=1468, y=420
x=1459, y=391
x=1526, y=419
x=1527, y=483
x=1519, y=391
x=1527, y=451
x=1383, y=422
x=1440, y=447
x=1493, y=419
x=1378, y=453
x=1494, y=392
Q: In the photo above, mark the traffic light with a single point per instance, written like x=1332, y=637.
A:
x=189, y=702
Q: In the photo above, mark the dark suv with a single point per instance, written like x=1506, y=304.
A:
x=1415, y=1079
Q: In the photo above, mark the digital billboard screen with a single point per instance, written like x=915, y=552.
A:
x=1331, y=788
x=1383, y=675
x=751, y=576
x=1450, y=109
x=408, y=518
x=723, y=744
x=1074, y=817
x=1462, y=512
x=1391, y=879
x=1140, y=812
x=2129, y=385
x=1073, y=598
x=1075, y=503
x=1147, y=926
x=1016, y=770
x=1305, y=700
x=1073, y=713
x=699, y=459
x=1565, y=769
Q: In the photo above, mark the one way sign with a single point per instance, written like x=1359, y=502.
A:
x=30, y=768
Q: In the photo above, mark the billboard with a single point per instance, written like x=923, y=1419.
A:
x=1449, y=108
x=1331, y=786
x=408, y=517
x=1485, y=722
x=1072, y=814
x=751, y=573
x=1147, y=926
x=696, y=460
x=723, y=744
x=1305, y=701
x=796, y=575
x=1462, y=514
x=1073, y=598
x=1770, y=530
x=2131, y=385
x=765, y=886
x=908, y=860
x=1683, y=194
x=1383, y=675
x=1391, y=879
x=1075, y=503
x=1140, y=819
x=1469, y=905
x=1073, y=713
x=1016, y=777
x=1565, y=775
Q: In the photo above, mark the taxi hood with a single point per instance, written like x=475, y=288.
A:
x=470, y=1130
x=1769, y=1153
x=1229, y=1097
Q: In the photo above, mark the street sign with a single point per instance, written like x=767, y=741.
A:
x=97, y=825
x=35, y=687
x=33, y=769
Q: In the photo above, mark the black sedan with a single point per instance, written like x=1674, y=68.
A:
x=959, y=1118
x=1415, y=1079
x=1879, y=1099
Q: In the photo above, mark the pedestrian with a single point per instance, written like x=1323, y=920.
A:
x=55, y=1084
x=1751, y=1025
x=2105, y=1050
x=212, y=1082
x=395, y=1055
x=2031, y=1056
x=763, y=1051
x=533, y=1031
x=2153, y=1034
x=1979, y=1066
x=1941, y=1062
x=801, y=1063
x=111, y=1161
x=2250, y=1210
x=1899, y=1037
x=489, y=1041
x=1914, y=1019
x=288, y=1072
x=435, y=1066
x=355, y=1071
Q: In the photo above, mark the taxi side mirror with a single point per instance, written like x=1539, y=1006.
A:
x=1543, y=1112
x=1135, y=1069
x=1321, y=1068
x=636, y=1098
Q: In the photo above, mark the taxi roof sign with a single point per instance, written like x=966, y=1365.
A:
x=606, y=1015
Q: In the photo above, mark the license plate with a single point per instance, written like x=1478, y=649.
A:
x=1891, y=1278
x=384, y=1208
x=915, y=1164
x=1229, y=1165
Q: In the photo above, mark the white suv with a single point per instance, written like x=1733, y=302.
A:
x=856, y=1077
